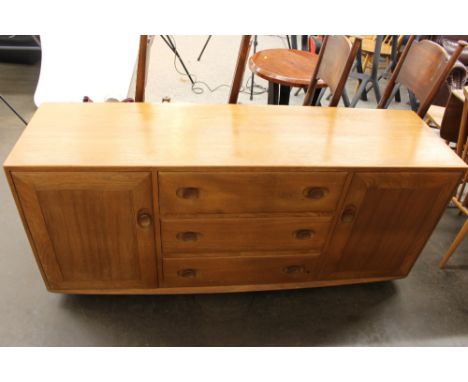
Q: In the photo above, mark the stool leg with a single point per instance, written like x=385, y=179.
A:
x=284, y=93
x=458, y=239
x=273, y=90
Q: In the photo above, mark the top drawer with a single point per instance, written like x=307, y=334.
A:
x=249, y=192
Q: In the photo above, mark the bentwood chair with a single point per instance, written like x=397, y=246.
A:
x=336, y=57
x=422, y=69
x=461, y=198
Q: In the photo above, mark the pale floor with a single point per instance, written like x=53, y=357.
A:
x=430, y=307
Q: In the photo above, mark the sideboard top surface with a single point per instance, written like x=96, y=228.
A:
x=135, y=135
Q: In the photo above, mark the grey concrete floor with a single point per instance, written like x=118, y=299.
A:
x=430, y=307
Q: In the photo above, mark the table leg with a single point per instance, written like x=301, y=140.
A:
x=284, y=93
x=294, y=41
x=305, y=42
x=273, y=90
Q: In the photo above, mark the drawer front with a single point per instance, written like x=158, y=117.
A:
x=229, y=234
x=185, y=272
x=249, y=192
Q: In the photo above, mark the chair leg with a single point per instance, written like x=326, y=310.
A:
x=360, y=92
x=456, y=242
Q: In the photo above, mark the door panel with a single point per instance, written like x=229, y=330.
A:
x=91, y=230
x=385, y=222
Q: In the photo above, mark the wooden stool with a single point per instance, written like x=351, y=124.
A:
x=284, y=69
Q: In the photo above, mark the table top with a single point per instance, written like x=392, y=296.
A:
x=141, y=135
x=288, y=67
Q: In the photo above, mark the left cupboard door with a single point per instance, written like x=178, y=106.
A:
x=91, y=230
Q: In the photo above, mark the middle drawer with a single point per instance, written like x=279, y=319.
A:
x=236, y=234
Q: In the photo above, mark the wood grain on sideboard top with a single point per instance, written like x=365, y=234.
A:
x=142, y=135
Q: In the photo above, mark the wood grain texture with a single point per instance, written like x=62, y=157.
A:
x=422, y=68
x=385, y=221
x=226, y=198
x=239, y=270
x=269, y=234
x=288, y=67
x=192, y=137
x=242, y=57
x=85, y=228
x=334, y=63
x=241, y=192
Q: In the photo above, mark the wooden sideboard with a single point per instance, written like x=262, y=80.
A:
x=141, y=198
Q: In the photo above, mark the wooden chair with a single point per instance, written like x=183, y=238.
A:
x=447, y=119
x=460, y=200
x=286, y=68
x=368, y=49
x=334, y=63
x=422, y=69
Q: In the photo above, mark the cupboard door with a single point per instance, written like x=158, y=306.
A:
x=385, y=222
x=91, y=230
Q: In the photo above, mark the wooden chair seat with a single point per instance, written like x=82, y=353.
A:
x=435, y=114
x=287, y=67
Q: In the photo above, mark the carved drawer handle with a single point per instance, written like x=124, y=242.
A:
x=144, y=218
x=304, y=234
x=187, y=273
x=294, y=269
x=188, y=236
x=188, y=193
x=349, y=213
x=316, y=192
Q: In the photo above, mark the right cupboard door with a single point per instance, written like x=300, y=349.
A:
x=384, y=223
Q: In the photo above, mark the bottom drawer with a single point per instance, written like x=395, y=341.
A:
x=239, y=270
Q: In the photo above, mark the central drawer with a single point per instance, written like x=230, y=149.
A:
x=249, y=192
x=234, y=234
x=186, y=272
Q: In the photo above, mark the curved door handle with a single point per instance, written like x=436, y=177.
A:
x=294, y=269
x=304, y=234
x=144, y=218
x=315, y=192
x=188, y=236
x=188, y=193
x=348, y=214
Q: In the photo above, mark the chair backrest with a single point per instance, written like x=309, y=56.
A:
x=460, y=200
x=242, y=57
x=423, y=67
x=334, y=63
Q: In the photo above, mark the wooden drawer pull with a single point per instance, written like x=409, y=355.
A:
x=188, y=236
x=304, y=234
x=348, y=214
x=187, y=273
x=316, y=192
x=188, y=193
x=294, y=269
x=144, y=219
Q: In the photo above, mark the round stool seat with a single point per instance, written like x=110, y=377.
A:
x=288, y=67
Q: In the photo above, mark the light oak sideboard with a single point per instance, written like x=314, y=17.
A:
x=141, y=198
